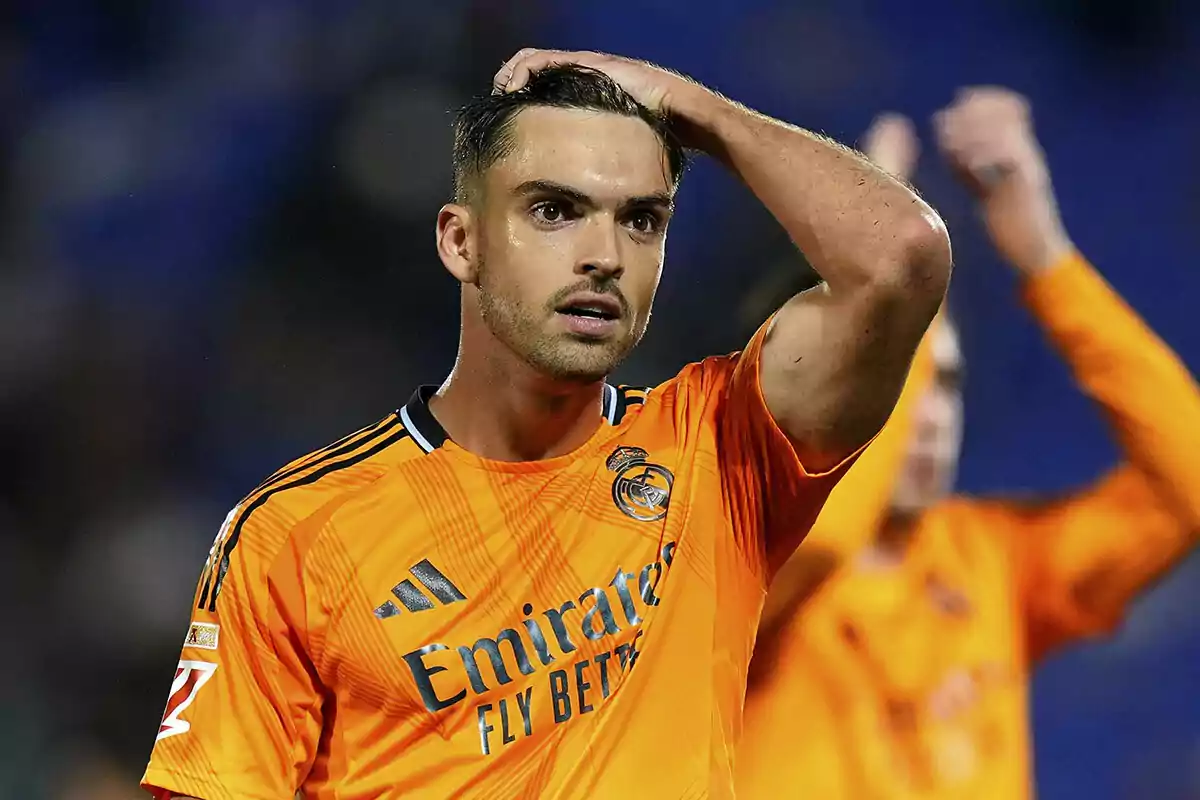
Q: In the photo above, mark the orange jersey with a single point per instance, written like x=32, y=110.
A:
x=394, y=616
x=911, y=681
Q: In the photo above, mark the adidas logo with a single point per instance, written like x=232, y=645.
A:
x=413, y=599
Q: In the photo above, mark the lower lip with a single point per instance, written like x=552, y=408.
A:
x=591, y=327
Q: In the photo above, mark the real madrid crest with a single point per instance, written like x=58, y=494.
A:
x=641, y=490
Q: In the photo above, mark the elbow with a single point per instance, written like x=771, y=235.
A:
x=919, y=264
x=926, y=258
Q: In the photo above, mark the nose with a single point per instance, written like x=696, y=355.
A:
x=600, y=254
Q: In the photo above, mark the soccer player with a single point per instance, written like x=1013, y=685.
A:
x=906, y=674
x=528, y=583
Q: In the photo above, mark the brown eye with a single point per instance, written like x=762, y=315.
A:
x=550, y=211
x=645, y=222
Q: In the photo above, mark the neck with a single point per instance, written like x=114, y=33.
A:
x=498, y=407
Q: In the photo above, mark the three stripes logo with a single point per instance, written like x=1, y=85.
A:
x=412, y=598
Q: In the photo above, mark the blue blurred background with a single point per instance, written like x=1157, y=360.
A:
x=216, y=254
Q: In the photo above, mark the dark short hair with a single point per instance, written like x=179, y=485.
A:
x=483, y=129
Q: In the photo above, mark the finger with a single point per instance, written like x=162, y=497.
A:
x=890, y=119
x=965, y=94
x=945, y=120
x=989, y=161
x=535, y=62
x=994, y=96
x=885, y=125
x=974, y=155
x=960, y=132
x=502, y=76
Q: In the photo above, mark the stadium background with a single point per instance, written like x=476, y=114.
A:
x=216, y=253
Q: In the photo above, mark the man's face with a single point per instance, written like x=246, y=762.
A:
x=931, y=464
x=571, y=240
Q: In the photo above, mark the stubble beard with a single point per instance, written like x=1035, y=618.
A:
x=557, y=356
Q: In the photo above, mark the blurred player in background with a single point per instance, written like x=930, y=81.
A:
x=528, y=583
x=906, y=673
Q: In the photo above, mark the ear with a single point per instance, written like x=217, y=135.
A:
x=456, y=242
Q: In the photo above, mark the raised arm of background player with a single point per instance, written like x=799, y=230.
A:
x=858, y=505
x=1082, y=559
x=836, y=356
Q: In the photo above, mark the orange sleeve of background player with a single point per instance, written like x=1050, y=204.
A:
x=243, y=717
x=1082, y=560
x=857, y=506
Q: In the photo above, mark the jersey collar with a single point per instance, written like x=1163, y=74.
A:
x=429, y=435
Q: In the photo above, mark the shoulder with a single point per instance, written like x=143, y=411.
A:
x=705, y=378
x=285, y=511
x=686, y=400
x=333, y=473
x=708, y=373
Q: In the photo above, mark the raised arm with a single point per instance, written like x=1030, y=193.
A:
x=836, y=356
x=1084, y=558
x=859, y=503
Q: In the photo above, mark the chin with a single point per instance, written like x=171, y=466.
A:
x=582, y=361
x=575, y=370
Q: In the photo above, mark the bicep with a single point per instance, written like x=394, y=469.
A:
x=834, y=363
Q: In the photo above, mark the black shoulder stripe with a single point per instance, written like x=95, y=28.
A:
x=216, y=581
x=339, y=448
x=625, y=399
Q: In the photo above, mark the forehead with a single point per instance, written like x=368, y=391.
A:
x=606, y=156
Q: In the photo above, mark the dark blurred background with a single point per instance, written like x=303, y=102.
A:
x=216, y=253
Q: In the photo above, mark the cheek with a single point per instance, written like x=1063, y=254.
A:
x=518, y=266
x=643, y=270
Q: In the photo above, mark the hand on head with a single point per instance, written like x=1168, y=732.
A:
x=650, y=85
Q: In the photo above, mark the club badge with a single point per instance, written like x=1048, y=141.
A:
x=641, y=490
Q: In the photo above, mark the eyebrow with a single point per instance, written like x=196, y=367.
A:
x=655, y=199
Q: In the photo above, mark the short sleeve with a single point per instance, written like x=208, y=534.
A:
x=243, y=717
x=770, y=496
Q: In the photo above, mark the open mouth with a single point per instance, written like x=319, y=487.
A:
x=591, y=306
x=590, y=315
x=588, y=312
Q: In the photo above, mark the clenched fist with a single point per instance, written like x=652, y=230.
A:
x=987, y=137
